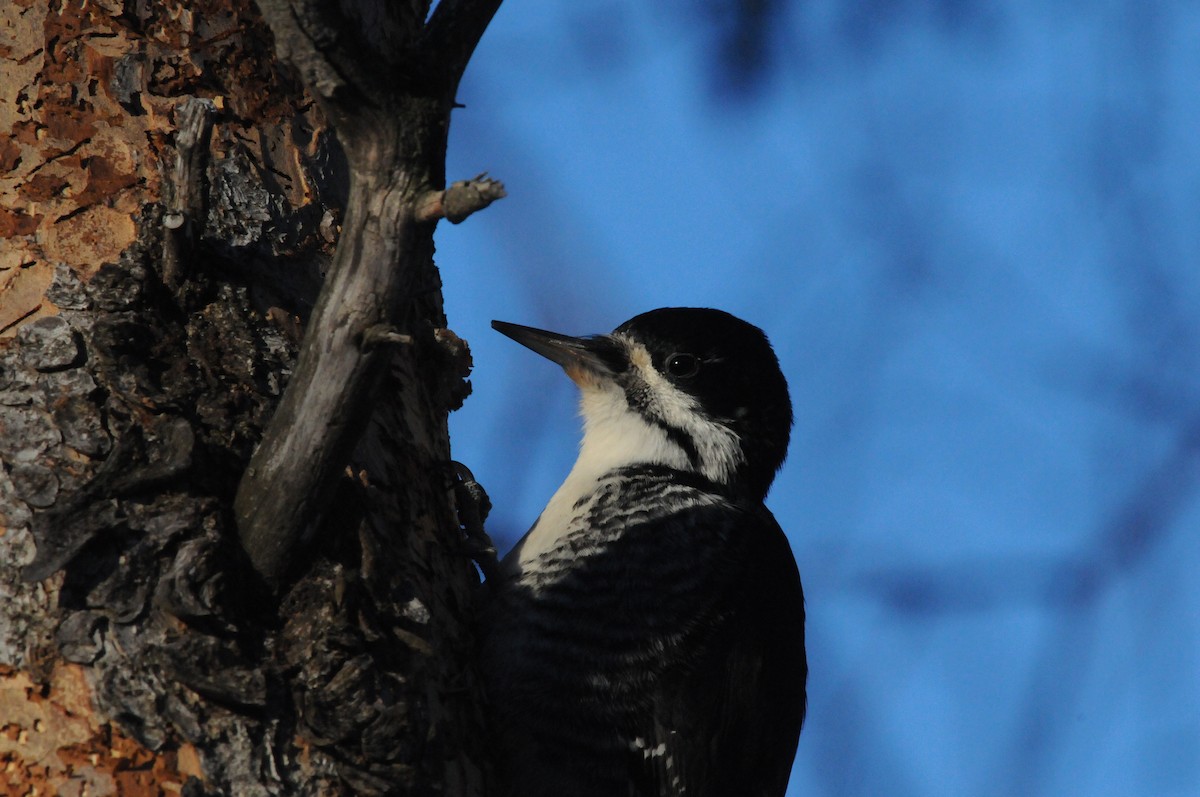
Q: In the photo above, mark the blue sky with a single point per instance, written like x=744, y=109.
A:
x=973, y=238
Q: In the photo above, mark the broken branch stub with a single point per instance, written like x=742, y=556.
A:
x=461, y=199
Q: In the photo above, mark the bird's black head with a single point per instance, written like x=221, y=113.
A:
x=730, y=369
x=695, y=388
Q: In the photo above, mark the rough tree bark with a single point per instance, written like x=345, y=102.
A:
x=172, y=200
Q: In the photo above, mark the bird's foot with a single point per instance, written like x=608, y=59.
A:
x=473, y=505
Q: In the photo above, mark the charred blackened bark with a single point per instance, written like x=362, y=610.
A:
x=173, y=200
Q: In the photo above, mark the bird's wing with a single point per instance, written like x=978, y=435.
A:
x=653, y=653
x=727, y=722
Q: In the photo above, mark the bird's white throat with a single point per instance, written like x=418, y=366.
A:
x=616, y=435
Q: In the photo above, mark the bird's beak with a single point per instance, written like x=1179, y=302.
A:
x=586, y=360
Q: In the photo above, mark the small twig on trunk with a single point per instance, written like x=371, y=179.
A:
x=461, y=199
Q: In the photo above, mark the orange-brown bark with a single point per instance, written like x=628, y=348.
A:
x=87, y=114
x=138, y=651
x=53, y=743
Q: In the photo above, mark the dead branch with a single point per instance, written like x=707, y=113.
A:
x=461, y=199
x=386, y=79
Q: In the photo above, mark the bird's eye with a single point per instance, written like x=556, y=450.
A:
x=682, y=366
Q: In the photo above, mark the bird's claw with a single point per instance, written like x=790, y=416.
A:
x=473, y=506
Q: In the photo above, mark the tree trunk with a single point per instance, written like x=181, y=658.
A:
x=188, y=230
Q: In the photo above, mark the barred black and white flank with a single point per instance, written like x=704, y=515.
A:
x=646, y=637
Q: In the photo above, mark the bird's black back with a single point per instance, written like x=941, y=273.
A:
x=607, y=688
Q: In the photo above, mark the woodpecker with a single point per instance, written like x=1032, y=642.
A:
x=646, y=637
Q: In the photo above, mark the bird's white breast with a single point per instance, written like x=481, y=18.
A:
x=615, y=436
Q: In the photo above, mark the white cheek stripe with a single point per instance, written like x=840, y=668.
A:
x=717, y=445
